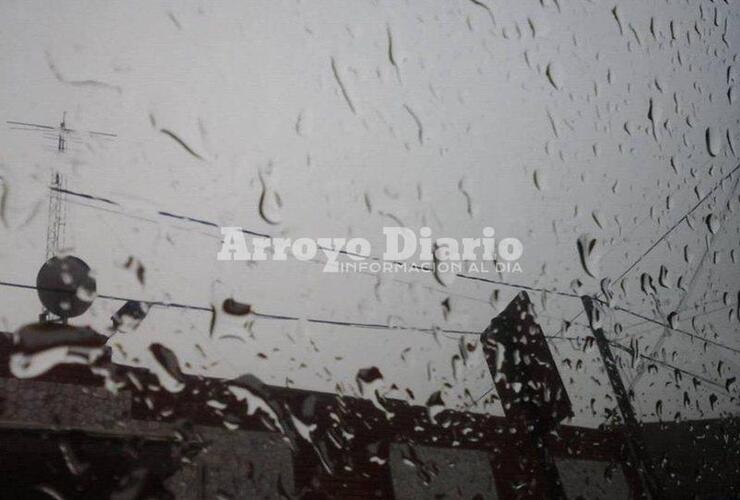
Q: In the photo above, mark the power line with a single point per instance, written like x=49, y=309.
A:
x=519, y=286
x=634, y=228
x=627, y=350
x=683, y=332
x=422, y=268
x=477, y=400
x=687, y=291
x=474, y=278
x=357, y=324
x=375, y=326
x=693, y=308
x=162, y=213
x=712, y=311
x=317, y=261
x=645, y=318
x=277, y=317
x=674, y=367
x=664, y=236
x=282, y=317
x=677, y=223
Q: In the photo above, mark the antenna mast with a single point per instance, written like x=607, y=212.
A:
x=57, y=206
x=55, y=231
x=57, y=216
x=58, y=303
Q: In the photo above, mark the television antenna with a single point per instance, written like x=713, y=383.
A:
x=61, y=303
x=62, y=135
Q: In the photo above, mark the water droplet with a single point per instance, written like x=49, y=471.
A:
x=646, y=283
x=168, y=368
x=606, y=289
x=129, y=316
x=596, y=216
x=367, y=376
x=444, y=272
x=655, y=116
x=712, y=223
x=3, y=200
x=714, y=141
x=231, y=306
x=554, y=75
x=730, y=384
x=435, y=405
x=663, y=278
x=71, y=459
x=271, y=204
x=537, y=179
x=673, y=320
x=42, y=346
x=587, y=252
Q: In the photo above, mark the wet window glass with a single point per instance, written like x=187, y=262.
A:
x=395, y=250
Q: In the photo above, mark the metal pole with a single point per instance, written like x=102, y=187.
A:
x=517, y=354
x=635, y=441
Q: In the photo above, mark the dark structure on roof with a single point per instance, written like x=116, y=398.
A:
x=244, y=439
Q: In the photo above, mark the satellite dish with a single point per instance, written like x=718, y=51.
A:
x=65, y=286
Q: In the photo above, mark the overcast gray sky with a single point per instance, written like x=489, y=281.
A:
x=545, y=120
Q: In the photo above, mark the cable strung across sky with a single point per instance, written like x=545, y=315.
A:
x=376, y=326
x=421, y=268
x=201, y=221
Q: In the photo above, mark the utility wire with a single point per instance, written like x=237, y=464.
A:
x=674, y=367
x=627, y=350
x=202, y=221
x=425, y=268
x=315, y=260
x=277, y=317
x=469, y=277
x=422, y=268
x=697, y=315
x=654, y=245
x=356, y=324
x=677, y=223
x=654, y=321
x=376, y=326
